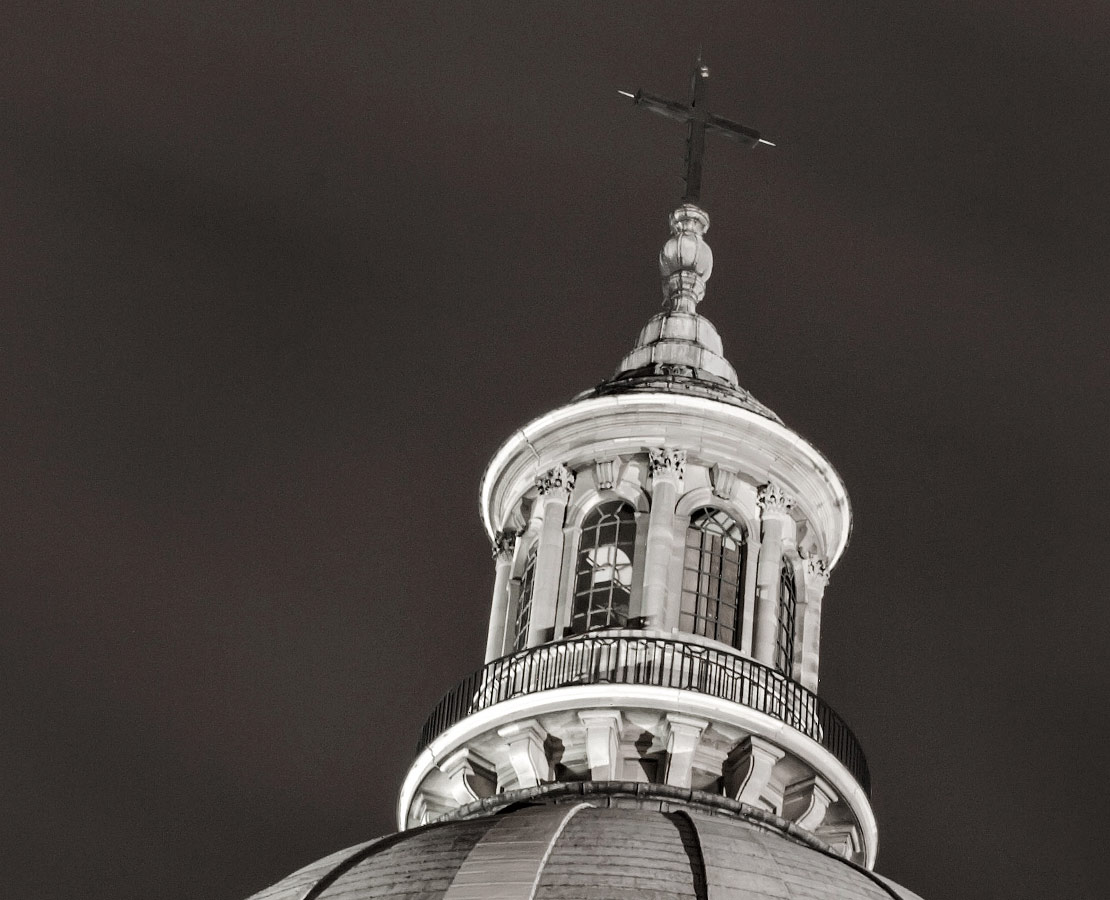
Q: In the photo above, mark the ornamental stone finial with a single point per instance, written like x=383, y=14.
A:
x=553, y=480
x=663, y=462
x=772, y=498
x=686, y=262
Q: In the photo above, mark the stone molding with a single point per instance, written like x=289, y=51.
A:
x=604, y=474
x=663, y=462
x=555, y=480
x=698, y=741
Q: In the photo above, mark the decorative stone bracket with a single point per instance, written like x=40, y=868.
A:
x=747, y=771
x=470, y=776
x=526, y=752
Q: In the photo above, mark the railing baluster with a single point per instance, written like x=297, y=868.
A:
x=657, y=662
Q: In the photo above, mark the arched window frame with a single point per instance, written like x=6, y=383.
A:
x=586, y=498
x=629, y=535
x=708, y=587
x=788, y=610
x=688, y=504
x=522, y=613
x=527, y=547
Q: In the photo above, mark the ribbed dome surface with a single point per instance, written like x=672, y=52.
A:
x=590, y=847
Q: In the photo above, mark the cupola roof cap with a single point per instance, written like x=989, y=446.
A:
x=680, y=351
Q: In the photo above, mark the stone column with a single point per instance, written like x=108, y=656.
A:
x=667, y=468
x=555, y=486
x=752, y=547
x=504, y=545
x=817, y=578
x=777, y=527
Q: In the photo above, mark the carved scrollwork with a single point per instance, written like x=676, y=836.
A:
x=662, y=461
x=553, y=480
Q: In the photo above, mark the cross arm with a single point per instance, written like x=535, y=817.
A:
x=672, y=109
x=682, y=112
x=734, y=131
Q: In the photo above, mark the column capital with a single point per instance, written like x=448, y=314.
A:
x=817, y=571
x=773, y=499
x=556, y=482
x=666, y=462
x=504, y=543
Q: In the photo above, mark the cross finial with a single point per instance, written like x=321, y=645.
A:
x=700, y=121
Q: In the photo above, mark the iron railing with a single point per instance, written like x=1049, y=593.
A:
x=659, y=663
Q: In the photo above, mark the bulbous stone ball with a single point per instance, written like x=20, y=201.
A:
x=687, y=251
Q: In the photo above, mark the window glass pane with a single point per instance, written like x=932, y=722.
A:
x=603, y=573
x=524, y=602
x=711, y=577
x=788, y=609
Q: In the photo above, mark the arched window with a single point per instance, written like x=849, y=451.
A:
x=712, y=577
x=603, y=572
x=524, y=602
x=788, y=609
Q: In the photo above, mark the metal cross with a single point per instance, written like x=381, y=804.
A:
x=700, y=121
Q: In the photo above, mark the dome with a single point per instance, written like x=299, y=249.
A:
x=593, y=841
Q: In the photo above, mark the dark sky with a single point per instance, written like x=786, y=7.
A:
x=276, y=280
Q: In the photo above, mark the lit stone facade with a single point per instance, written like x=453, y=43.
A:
x=643, y=692
x=646, y=722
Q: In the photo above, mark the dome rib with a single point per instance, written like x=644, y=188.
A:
x=593, y=840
